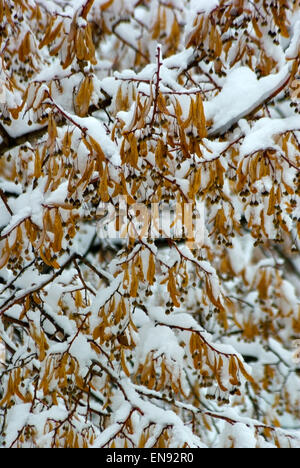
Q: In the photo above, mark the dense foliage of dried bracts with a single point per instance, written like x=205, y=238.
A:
x=127, y=335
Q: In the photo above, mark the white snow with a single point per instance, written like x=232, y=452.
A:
x=161, y=341
x=81, y=350
x=241, y=253
x=52, y=72
x=262, y=132
x=103, y=295
x=152, y=413
x=96, y=130
x=241, y=93
x=238, y=434
x=199, y=6
x=58, y=196
x=294, y=47
x=28, y=204
x=17, y=417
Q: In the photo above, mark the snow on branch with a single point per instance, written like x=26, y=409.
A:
x=149, y=224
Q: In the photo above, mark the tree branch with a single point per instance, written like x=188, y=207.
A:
x=29, y=137
x=266, y=97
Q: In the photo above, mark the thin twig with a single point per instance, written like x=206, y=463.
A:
x=4, y=199
x=157, y=82
x=122, y=39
